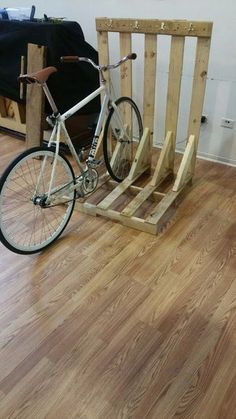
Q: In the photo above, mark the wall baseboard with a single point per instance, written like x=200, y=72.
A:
x=208, y=157
x=214, y=158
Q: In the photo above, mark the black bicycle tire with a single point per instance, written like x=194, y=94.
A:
x=106, y=127
x=3, y=178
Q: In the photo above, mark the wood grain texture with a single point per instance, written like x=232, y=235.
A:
x=150, y=56
x=35, y=97
x=174, y=88
x=126, y=68
x=162, y=27
x=111, y=323
x=139, y=214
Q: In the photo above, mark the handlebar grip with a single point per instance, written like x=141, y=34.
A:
x=69, y=59
x=132, y=56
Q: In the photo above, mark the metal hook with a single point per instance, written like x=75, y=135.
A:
x=191, y=28
x=163, y=26
x=110, y=23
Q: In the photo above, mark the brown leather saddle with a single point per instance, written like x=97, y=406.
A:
x=39, y=77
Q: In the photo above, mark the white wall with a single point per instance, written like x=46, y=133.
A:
x=220, y=100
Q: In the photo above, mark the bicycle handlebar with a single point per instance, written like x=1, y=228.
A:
x=76, y=59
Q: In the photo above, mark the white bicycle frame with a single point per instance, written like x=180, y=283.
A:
x=60, y=125
x=58, y=122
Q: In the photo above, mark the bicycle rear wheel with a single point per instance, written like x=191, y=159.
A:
x=122, y=133
x=28, y=223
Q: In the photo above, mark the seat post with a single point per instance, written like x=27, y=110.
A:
x=50, y=98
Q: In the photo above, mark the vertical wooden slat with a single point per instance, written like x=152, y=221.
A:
x=126, y=77
x=126, y=68
x=103, y=47
x=103, y=52
x=103, y=58
x=198, y=90
x=173, y=92
x=150, y=52
x=35, y=97
x=174, y=84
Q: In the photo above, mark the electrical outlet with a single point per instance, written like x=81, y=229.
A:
x=227, y=123
x=204, y=119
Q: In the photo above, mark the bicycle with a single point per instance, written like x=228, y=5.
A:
x=39, y=188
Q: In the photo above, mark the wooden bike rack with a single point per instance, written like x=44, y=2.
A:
x=145, y=206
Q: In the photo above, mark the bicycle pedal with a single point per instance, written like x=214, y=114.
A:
x=79, y=195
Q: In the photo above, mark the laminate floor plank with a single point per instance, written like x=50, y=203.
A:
x=113, y=323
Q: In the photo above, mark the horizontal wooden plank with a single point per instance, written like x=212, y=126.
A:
x=12, y=124
x=116, y=193
x=136, y=203
x=133, y=222
x=162, y=27
x=161, y=209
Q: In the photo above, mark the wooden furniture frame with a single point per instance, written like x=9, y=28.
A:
x=35, y=118
x=14, y=115
x=131, y=214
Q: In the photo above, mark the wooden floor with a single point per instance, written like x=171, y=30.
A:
x=113, y=323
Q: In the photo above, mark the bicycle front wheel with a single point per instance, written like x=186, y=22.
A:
x=122, y=133
x=28, y=223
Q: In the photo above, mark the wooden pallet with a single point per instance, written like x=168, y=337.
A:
x=145, y=207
